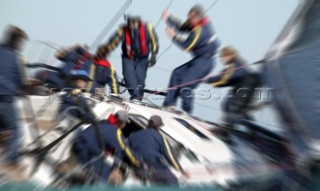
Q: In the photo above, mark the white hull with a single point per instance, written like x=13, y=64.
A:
x=212, y=160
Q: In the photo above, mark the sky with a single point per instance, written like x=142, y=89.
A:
x=251, y=26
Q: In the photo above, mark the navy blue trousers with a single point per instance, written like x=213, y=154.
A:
x=195, y=69
x=135, y=73
x=9, y=122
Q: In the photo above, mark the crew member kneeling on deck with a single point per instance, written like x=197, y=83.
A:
x=243, y=83
x=73, y=58
x=100, y=70
x=73, y=101
x=87, y=147
x=155, y=149
x=103, y=74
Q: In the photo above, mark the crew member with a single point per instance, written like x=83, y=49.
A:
x=139, y=42
x=202, y=43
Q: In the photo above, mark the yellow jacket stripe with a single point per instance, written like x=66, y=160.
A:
x=91, y=74
x=225, y=77
x=175, y=164
x=153, y=39
x=116, y=41
x=128, y=152
x=196, y=38
x=114, y=81
x=76, y=91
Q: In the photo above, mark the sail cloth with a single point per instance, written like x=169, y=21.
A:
x=293, y=71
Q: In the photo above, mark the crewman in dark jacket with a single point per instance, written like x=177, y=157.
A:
x=86, y=145
x=73, y=101
x=11, y=84
x=73, y=58
x=100, y=70
x=103, y=74
x=139, y=40
x=78, y=58
x=202, y=43
x=243, y=83
x=155, y=150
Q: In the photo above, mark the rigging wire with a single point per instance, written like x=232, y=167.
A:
x=167, y=48
x=200, y=79
x=168, y=6
x=111, y=23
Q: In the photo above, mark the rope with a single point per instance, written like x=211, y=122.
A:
x=111, y=23
x=199, y=80
x=164, y=51
x=49, y=44
x=168, y=6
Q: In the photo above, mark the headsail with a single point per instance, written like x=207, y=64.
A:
x=293, y=72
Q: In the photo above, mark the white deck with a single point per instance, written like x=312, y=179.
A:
x=216, y=161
